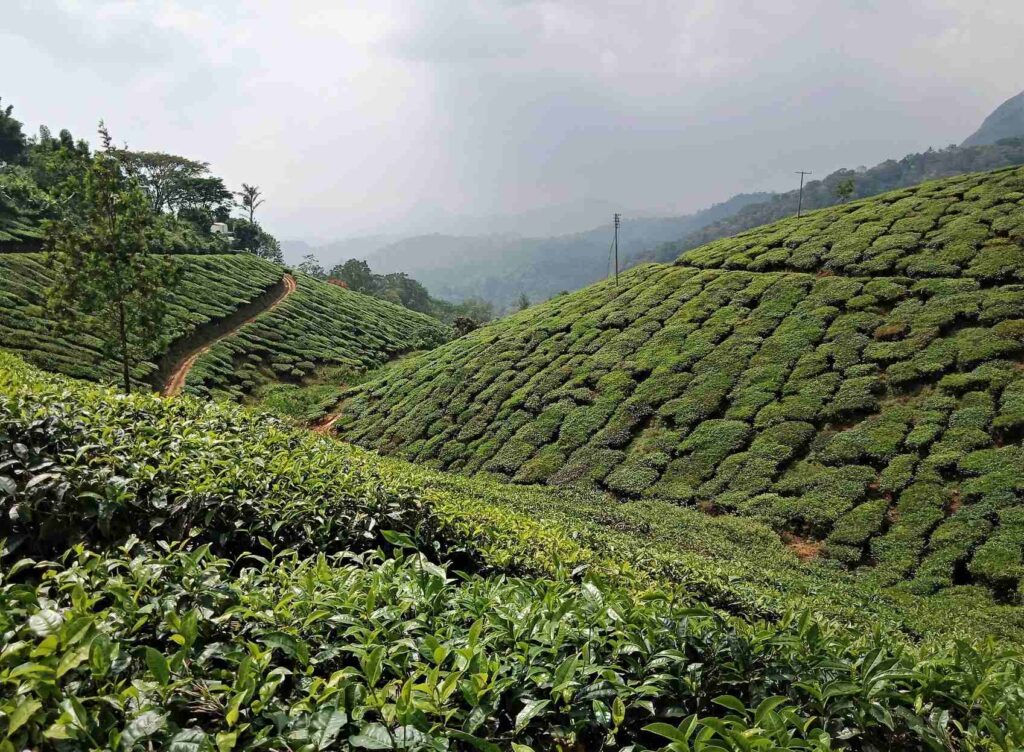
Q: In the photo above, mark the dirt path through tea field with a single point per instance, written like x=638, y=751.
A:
x=176, y=378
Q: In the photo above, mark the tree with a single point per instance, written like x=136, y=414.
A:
x=251, y=201
x=311, y=265
x=99, y=252
x=357, y=275
x=524, y=302
x=250, y=237
x=174, y=183
x=54, y=162
x=12, y=139
x=844, y=189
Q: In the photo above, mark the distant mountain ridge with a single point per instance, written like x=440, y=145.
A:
x=499, y=268
x=1006, y=121
x=891, y=174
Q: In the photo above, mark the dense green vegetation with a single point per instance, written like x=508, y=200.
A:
x=41, y=176
x=212, y=287
x=272, y=589
x=839, y=186
x=398, y=288
x=852, y=378
x=319, y=327
x=297, y=355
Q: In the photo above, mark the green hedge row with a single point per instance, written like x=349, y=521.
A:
x=212, y=287
x=794, y=398
x=187, y=575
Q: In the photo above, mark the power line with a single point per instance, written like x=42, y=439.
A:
x=800, y=205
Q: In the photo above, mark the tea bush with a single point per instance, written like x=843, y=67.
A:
x=187, y=575
x=792, y=374
x=319, y=326
x=212, y=287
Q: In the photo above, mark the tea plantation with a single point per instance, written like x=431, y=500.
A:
x=853, y=378
x=318, y=326
x=180, y=574
x=212, y=287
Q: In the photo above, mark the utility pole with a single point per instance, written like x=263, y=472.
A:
x=800, y=206
x=618, y=218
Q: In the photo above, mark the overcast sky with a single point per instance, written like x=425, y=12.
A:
x=387, y=116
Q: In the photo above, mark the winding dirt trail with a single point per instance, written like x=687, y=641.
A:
x=176, y=379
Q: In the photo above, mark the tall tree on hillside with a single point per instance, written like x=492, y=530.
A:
x=12, y=139
x=174, y=183
x=523, y=303
x=357, y=275
x=251, y=200
x=99, y=252
x=311, y=265
x=844, y=190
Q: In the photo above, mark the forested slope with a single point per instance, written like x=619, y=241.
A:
x=853, y=378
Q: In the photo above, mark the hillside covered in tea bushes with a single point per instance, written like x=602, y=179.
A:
x=211, y=288
x=320, y=326
x=854, y=379
x=275, y=589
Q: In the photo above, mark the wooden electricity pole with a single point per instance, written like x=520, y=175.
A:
x=800, y=205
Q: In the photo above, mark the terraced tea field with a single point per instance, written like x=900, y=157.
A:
x=853, y=378
x=212, y=287
x=319, y=326
x=181, y=574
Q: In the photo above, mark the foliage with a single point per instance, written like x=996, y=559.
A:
x=12, y=138
x=184, y=199
x=173, y=183
x=211, y=287
x=250, y=237
x=396, y=288
x=250, y=200
x=103, y=267
x=845, y=188
x=293, y=592
x=464, y=325
x=319, y=328
x=22, y=206
x=911, y=170
x=310, y=266
x=850, y=378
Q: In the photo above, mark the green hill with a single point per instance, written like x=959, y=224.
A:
x=180, y=574
x=853, y=378
x=320, y=326
x=213, y=287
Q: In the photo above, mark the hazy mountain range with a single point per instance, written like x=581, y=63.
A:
x=1006, y=121
x=493, y=259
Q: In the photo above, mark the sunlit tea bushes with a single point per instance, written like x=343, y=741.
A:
x=318, y=326
x=180, y=574
x=212, y=287
x=853, y=378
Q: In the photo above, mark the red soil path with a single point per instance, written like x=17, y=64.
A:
x=176, y=380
